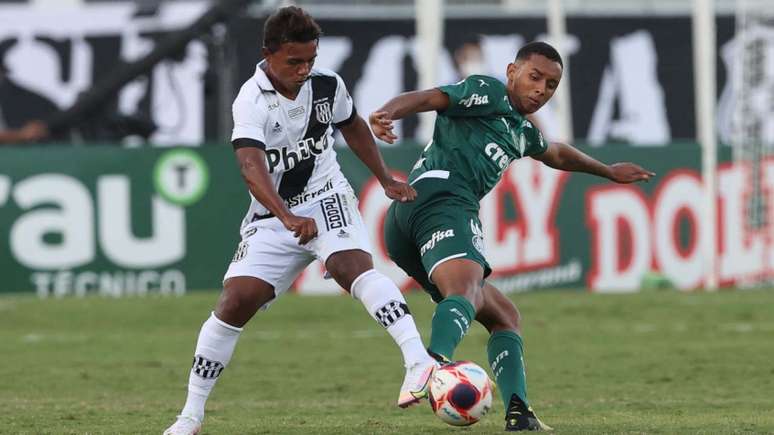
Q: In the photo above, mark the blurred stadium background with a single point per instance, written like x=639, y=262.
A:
x=121, y=85
x=117, y=179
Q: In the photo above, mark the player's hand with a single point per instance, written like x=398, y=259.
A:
x=303, y=228
x=399, y=191
x=629, y=173
x=381, y=126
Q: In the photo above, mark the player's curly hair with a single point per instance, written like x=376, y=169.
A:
x=542, y=49
x=289, y=24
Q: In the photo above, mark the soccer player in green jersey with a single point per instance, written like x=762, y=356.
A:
x=438, y=240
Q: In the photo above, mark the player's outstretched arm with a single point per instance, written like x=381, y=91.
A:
x=567, y=158
x=252, y=164
x=361, y=142
x=402, y=106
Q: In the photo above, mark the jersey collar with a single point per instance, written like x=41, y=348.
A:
x=261, y=79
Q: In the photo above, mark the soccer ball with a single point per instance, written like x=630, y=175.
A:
x=460, y=393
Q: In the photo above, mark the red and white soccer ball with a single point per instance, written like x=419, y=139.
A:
x=460, y=393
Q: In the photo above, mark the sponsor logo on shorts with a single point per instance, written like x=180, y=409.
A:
x=435, y=238
x=478, y=236
x=306, y=196
x=333, y=212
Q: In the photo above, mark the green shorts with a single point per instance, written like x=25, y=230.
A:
x=437, y=227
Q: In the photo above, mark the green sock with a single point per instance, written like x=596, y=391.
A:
x=451, y=321
x=505, y=351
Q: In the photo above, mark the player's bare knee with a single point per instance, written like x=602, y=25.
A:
x=345, y=277
x=509, y=324
x=517, y=322
x=230, y=304
x=504, y=324
x=509, y=318
x=346, y=266
x=239, y=301
x=470, y=291
x=500, y=316
x=225, y=309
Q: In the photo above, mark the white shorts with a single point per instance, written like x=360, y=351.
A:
x=271, y=253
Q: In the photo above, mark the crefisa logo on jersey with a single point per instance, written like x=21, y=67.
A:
x=323, y=112
x=475, y=100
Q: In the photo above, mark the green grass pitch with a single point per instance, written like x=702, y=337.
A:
x=659, y=362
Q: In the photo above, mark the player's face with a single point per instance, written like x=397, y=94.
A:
x=532, y=82
x=290, y=66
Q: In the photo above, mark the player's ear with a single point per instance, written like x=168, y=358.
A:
x=511, y=70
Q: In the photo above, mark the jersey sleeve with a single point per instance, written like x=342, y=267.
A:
x=536, y=144
x=343, y=109
x=477, y=95
x=249, y=118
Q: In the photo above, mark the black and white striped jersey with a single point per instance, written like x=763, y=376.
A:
x=297, y=135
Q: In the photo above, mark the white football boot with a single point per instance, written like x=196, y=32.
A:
x=416, y=383
x=184, y=425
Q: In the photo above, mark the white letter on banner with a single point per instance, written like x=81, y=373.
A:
x=538, y=188
x=333, y=51
x=166, y=244
x=743, y=248
x=611, y=212
x=85, y=282
x=532, y=241
x=632, y=77
x=679, y=195
x=72, y=217
x=382, y=75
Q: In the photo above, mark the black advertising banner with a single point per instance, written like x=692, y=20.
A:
x=631, y=78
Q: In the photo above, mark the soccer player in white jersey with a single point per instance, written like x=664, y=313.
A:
x=302, y=208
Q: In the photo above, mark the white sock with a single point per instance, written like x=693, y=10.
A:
x=386, y=304
x=214, y=348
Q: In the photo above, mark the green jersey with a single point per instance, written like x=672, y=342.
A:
x=477, y=137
